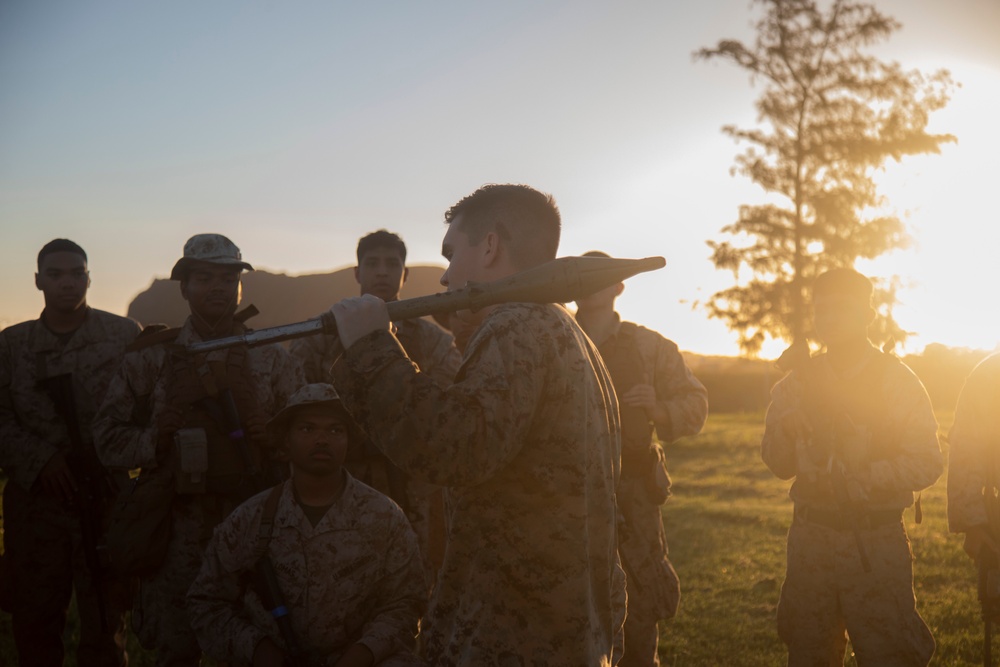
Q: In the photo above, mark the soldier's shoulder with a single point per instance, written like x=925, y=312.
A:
x=533, y=314
x=18, y=331
x=117, y=322
x=429, y=329
x=988, y=368
x=649, y=335
x=249, y=511
x=373, y=505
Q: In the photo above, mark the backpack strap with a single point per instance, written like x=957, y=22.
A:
x=267, y=521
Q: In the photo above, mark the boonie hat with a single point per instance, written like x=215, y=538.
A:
x=210, y=248
x=311, y=394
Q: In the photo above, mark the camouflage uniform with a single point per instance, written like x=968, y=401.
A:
x=972, y=458
x=839, y=514
x=433, y=350
x=635, y=355
x=127, y=430
x=352, y=578
x=527, y=442
x=42, y=537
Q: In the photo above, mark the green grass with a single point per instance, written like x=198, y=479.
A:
x=726, y=524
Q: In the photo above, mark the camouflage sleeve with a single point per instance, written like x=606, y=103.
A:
x=619, y=602
x=681, y=395
x=22, y=454
x=287, y=376
x=458, y=435
x=972, y=441
x=314, y=355
x=918, y=462
x=119, y=439
x=215, y=599
x=777, y=447
x=444, y=358
x=401, y=596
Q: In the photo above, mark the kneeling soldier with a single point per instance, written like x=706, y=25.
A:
x=337, y=558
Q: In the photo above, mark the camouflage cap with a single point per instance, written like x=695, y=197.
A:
x=211, y=248
x=311, y=394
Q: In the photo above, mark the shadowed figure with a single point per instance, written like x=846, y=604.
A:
x=854, y=428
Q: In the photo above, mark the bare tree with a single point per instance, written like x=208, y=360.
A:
x=830, y=116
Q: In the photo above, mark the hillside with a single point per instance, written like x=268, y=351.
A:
x=281, y=299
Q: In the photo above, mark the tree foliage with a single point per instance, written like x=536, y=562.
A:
x=830, y=117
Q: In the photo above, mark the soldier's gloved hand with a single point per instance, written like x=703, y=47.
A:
x=167, y=423
x=358, y=655
x=56, y=479
x=644, y=396
x=853, y=448
x=794, y=426
x=256, y=430
x=359, y=316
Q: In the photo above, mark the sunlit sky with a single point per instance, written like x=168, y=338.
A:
x=294, y=128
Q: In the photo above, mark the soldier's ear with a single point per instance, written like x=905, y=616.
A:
x=357, y=276
x=619, y=288
x=406, y=273
x=491, y=248
x=39, y=287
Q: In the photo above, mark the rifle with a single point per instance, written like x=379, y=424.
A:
x=796, y=357
x=267, y=586
x=92, y=487
x=274, y=602
x=558, y=281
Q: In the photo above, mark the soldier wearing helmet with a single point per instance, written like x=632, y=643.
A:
x=200, y=418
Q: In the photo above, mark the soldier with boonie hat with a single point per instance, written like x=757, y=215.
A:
x=211, y=249
x=321, y=521
x=202, y=418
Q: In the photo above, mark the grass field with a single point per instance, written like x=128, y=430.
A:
x=726, y=524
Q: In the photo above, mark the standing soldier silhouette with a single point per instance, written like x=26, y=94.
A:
x=656, y=393
x=54, y=372
x=855, y=430
x=201, y=418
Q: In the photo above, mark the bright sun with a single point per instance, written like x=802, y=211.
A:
x=947, y=201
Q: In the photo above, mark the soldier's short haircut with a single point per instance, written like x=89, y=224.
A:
x=526, y=219
x=381, y=239
x=59, y=245
x=843, y=282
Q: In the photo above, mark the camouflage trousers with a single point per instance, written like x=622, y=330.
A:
x=44, y=564
x=159, y=613
x=651, y=582
x=827, y=596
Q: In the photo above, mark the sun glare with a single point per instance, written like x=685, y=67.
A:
x=947, y=202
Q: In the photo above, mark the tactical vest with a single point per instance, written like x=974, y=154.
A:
x=833, y=404
x=623, y=361
x=201, y=391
